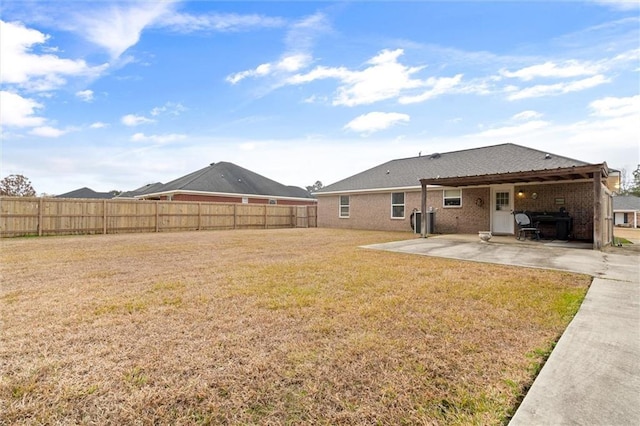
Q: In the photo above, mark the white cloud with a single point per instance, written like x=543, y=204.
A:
x=557, y=88
x=299, y=41
x=188, y=23
x=132, y=120
x=119, y=26
x=259, y=71
x=384, y=79
x=98, y=125
x=16, y=111
x=376, y=121
x=169, y=108
x=48, y=132
x=286, y=64
x=159, y=139
x=624, y=5
x=437, y=87
x=85, y=95
x=551, y=70
x=616, y=107
x=302, y=34
x=21, y=67
x=526, y=115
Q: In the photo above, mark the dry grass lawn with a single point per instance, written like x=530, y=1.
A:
x=296, y=326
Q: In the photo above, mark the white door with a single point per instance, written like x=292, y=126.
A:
x=502, y=210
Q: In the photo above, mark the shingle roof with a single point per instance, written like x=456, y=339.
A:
x=406, y=172
x=146, y=189
x=86, y=193
x=626, y=203
x=228, y=178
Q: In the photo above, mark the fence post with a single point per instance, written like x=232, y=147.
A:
x=235, y=214
x=40, y=215
x=294, y=216
x=265, y=216
x=157, y=217
x=199, y=215
x=104, y=217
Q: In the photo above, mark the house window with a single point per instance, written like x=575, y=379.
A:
x=245, y=200
x=344, y=206
x=397, y=205
x=502, y=201
x=272, y=201
x=452, y=198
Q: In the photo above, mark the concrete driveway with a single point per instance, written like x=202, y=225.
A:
x=592, y=377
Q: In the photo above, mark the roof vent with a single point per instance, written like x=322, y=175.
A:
x=387, y=171
x=212, y=164
x=434, y=156
x=547, y=156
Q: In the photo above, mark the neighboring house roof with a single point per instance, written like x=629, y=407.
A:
x=146, y=189
x=496, y=159
x=228, y=178
x=86, y=193
x=626, y=203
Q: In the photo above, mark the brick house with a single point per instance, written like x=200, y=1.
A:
x=475, y=190
x=226, y=183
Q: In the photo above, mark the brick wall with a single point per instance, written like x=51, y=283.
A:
x=367, y=211
x=467, y=219
x=578, y=202
x=373, y=211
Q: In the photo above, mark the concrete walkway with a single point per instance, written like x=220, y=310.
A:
x=593, y=374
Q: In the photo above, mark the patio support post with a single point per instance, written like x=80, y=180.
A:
x=597, y=210
x=423, y=208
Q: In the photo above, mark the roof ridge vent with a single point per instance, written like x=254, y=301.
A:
x=434, y=155
x=547, y=156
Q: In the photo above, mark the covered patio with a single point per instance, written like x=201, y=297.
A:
x=596, y=221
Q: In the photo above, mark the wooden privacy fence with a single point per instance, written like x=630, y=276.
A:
x=22, y=216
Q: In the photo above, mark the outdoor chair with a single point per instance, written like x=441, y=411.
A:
x=525, y=225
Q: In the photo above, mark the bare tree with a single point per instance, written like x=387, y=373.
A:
x=16, y=186
x=634, y=188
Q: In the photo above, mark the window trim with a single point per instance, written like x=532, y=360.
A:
x=404, y=198
x=347, y=205
x=445, y=198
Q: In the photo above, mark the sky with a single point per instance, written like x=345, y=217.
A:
x=114, y=95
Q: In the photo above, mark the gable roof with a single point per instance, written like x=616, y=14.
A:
x=626, y=203
x=491, y=160
x=86, y=193
x=228, y=178
x=145, y=189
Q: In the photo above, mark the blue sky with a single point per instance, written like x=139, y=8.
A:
x=118, y=94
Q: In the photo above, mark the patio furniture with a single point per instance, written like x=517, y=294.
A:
x=525, y=225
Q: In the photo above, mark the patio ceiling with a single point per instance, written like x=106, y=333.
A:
x=552, y=175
